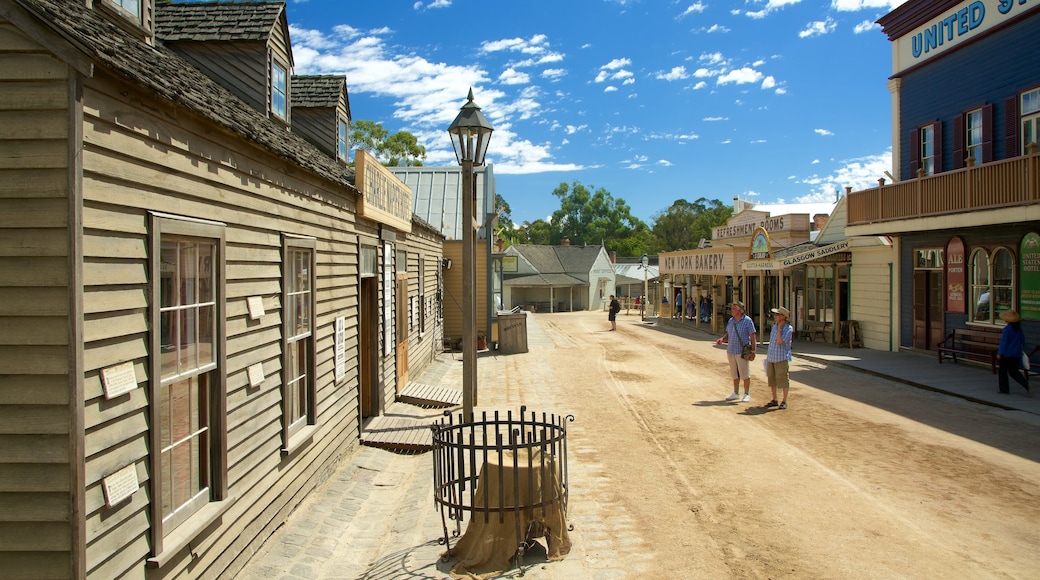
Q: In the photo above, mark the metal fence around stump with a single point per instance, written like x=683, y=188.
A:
x=506, y=470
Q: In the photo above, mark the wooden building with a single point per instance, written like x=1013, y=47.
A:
x=562, y=278
x=197, y=305
x=964, y=208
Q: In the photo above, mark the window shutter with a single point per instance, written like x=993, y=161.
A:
x=958, y=142
x=1011, y=122
x=915, y=152
x=937, y=132
x=987, y=134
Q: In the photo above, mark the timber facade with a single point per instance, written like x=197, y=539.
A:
x=187, y=289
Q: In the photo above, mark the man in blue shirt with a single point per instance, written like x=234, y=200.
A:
x=740, y=331
x=778, y=358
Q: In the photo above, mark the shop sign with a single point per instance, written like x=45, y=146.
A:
x=743, y=229
x=384, y=197
x=815, y=254
x=697, y=262
x=1029, y=276
x=760, y=246
x=956, y=281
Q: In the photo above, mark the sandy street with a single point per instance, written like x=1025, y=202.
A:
x=860, y=478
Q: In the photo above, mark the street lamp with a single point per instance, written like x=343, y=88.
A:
x=470, y=133
x=645, y=261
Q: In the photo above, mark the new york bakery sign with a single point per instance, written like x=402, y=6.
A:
x=958, y=24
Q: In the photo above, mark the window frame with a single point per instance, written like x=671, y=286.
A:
x=974, y=135
x=343, y=139
x=273, y=89
x=297, y=431
x=927, y=148
x=1029, y=120
x=168, y=538
x=996, y=304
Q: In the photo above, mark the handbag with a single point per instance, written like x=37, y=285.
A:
x=745, y=351
x=1025, y=361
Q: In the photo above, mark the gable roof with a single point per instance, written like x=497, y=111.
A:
x=166, y=75
x=559, y=259
x=221, y=21
x=318, y=91
x=437, y=196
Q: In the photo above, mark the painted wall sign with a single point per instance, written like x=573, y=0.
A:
x=384, y=197
x=705, y=261
x=959, y=24
x=956, y=277
x=1029, y=276
x=118, y=380
x=388, y=299
x=120, y=485
x=770, y=224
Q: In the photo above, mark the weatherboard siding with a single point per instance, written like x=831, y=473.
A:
x=38, y=483
x=158, y=158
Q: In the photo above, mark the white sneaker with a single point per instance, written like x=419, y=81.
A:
x=746, y=399
x=733, y=397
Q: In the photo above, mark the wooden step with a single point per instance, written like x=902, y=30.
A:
x=427, y=396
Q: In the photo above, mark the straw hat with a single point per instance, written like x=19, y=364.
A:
x=781, y=310
x=738, y=304
x=1010, y=316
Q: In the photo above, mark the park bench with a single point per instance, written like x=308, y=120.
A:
x=814, y=329
x=975, y=344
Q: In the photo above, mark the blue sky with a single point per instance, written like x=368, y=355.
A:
x=775, y=101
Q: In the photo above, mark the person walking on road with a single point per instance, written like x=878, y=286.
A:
x=740, y=332
x=615, y=307
x=778, y=357
x=1009, y=353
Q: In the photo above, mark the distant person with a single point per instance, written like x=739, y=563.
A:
x=778, y=357
x=677, y=313
x=740, y=333
x=1009, y=353
x=612, y=313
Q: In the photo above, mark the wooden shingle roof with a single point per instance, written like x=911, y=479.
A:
x=320, y=91
x=225, y=21
x=162, y=72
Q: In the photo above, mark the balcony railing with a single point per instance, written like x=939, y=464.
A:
x=1006, y=183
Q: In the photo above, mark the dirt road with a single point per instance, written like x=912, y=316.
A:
x=859, y=478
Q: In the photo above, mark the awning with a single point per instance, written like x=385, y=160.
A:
x=787, y=262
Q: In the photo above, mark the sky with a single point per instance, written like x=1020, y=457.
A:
x=772, y=101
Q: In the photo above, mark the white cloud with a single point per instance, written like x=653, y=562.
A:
x=855, y=5
x=615, y=64
x=700, y=85
x=781, y=91
x=768, y=82
x=726, y=141
x=770, y=7
x=511, y=77
x=572, y=129
x=740, y=76
x=677, y=73
x=823, y=132
x=865, y=26
x=695, y=7
x=554, y=74
x=860, y=173
x=815, y=162
x=629, y=82
x=757, y=141
x=710, y=119
x=717, y=28
x=818, y=28
x=610, y=89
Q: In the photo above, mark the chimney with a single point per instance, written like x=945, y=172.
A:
x=613, y=257
x=565, y=241
x=820, y=220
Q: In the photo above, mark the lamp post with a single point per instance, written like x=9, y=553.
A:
x=470, y=133
x=645, y=261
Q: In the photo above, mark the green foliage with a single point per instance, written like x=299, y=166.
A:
x=505, y=229
x=684, y=224
x=396, y=150
x=593, y=217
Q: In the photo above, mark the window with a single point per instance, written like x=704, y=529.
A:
x=422, y=295
x=279, y=90
x=973, y=136
x=131, y=6
x=1030, y=112
x=928, y=150
x=298, y=397
x=992, y=284
x=190, y=429
x=341, y=139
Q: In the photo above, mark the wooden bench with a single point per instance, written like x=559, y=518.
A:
x=813, y=329
x=972, y=344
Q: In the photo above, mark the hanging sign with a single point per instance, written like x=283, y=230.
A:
x=956, y=281
x=1029, y=276
x=760, y=249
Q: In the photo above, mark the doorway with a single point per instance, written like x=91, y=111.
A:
x=368, y=349
x=928, y=309
x=401, y=293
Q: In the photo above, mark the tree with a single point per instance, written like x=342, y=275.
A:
x=684, y=224
x=589, y=217
x=505, y=229
x=536, y=232
x=396, y=150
